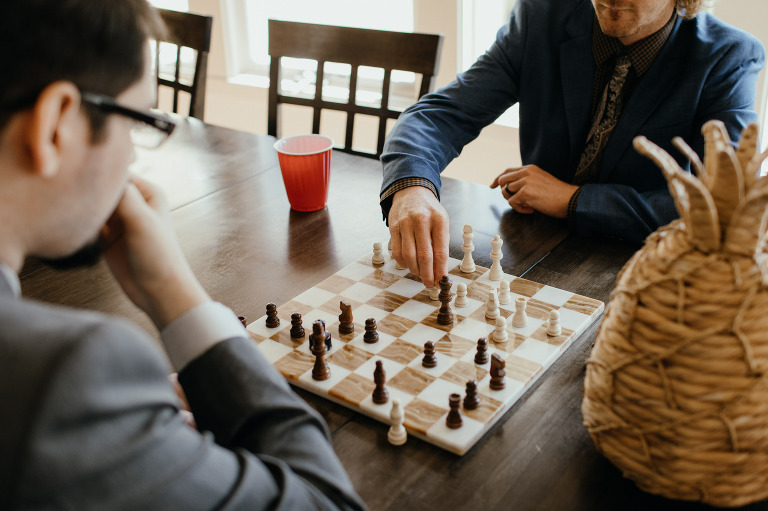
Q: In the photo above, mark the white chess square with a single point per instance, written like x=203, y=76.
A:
x=444, y=362
x=355, y=271
x=571, y=319
x=472, y=329
x=273, y=351
x=259, y=327
x=338, y=373
x=415, y=310
x=438, y=391
x=553, y=295
x=384, y=341
x=360, y=292
x=406, y=287
x=535, y=351
x=366, y=311
x=419, y=334
x=314, y=297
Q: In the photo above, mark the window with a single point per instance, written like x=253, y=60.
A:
x=248, y=41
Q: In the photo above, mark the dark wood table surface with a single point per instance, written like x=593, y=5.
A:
x=248, y=248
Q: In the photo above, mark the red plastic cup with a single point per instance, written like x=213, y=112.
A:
x=305, y=162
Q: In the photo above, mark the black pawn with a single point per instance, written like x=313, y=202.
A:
x=445, y=315
x=320, y=371
x=297, y=331
x=454, y=420
x=243, y=321
x=380, y=393
x=371, y=336
x=272, y=319
x=481, y=357
x=429, y=359
x=471, y=400
x=318, y=330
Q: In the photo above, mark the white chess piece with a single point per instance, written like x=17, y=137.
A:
x=496, y=272
x=553, y=325
x=500, y=335
x=461, y=295
x=467, y=264
x=504, y=296
x=389, y=245
x=397, y=434
x=492, y=307
x=398, y=267
x=377, y=258
x=434, y=293
x=520, y=318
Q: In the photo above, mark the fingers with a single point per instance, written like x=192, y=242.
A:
x=440, y=241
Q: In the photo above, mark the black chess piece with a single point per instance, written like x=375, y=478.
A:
x=471, y=400
x=445, y=315
x=320, y=371
x=429, y=359
x=481, y=357
x=297, y=330
x=272, y=320
x=380, y=393
x=318, y=330
x=346, y=326
x=454, y=420
x=371, y=336
x=497, y=372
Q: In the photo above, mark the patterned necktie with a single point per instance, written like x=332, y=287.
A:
x=603, y=123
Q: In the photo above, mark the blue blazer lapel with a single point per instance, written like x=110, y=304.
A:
x=577, y=71
x=651, y=90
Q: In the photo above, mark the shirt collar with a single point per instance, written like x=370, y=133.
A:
x=642, y=53
x=7, y=274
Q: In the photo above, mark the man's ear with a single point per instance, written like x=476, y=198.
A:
x=55, y=120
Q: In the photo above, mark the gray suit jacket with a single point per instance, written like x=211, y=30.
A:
x=88, y=420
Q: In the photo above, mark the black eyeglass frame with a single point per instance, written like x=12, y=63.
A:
x=109, y=105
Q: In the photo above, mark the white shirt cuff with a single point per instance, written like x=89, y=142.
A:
x=197, y=330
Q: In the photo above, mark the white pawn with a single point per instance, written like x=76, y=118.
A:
x=467, y=264
x=397, y=434
x=434, y=293
x=496, y=272
x=377, y=257
x=492, y=307
x=553, y=325
x=398, y=267
x=500, y=335
x=520, y=318
x=504, y=296
x=461, y=295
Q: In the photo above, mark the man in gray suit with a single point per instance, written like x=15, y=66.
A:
x=88, y=419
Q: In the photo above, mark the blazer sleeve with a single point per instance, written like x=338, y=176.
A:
x=432, y=132
x=108, y=434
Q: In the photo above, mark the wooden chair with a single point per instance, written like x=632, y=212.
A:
x=417, y=53
x=190, y=31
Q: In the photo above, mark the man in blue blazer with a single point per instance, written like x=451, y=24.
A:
x=554, y=58
x=88, y=418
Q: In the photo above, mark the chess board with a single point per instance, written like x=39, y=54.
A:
x=406, y=319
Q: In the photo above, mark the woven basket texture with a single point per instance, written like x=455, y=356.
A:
x=676, y=390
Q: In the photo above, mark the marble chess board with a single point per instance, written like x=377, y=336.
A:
x=407, y=318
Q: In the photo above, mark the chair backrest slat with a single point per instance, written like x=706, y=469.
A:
x=191, y=31
x=417, y=53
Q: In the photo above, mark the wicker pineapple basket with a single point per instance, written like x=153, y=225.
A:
x=676, y=389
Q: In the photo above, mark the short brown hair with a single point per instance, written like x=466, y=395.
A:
x=690, y=8
x=95, y=44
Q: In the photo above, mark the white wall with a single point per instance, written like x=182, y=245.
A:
x=245, y=107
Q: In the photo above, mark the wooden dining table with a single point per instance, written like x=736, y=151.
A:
x=247, y=247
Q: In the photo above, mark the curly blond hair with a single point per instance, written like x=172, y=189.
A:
x=690, y=8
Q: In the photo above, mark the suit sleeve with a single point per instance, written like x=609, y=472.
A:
x=109, y=431
x=432, y=132
x=728, y=95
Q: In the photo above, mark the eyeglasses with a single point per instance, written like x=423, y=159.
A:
x=151, y=128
